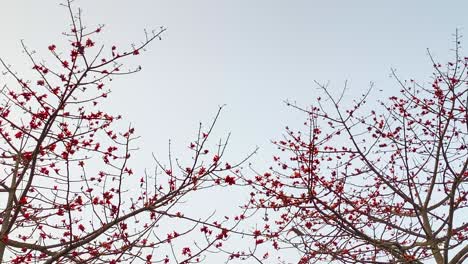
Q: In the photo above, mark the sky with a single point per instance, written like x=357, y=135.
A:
x=249, y=55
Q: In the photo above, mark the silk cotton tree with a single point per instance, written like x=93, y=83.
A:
x=387, y=185
x=67, y=191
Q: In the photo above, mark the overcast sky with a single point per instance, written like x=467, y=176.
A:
x=250, y=55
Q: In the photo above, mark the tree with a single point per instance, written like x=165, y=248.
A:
x=375, y=185
x=67, y=191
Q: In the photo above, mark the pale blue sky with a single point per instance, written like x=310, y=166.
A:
x=250, y=55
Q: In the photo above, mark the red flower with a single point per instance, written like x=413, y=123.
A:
x=230, y=180
x=186, y=251
x=74, y=54
x=23, y=200
x=257, y=233
x=202, y=171
x=44, y=170
x=89, y=43
x=52, y=47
